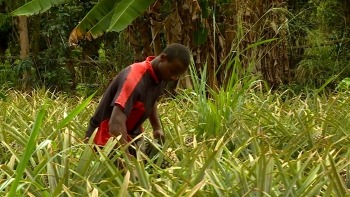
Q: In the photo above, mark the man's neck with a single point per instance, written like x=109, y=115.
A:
x=155, y=64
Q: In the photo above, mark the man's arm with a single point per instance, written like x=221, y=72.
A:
x=154, y=118
x=155, y=122
x=117, y=125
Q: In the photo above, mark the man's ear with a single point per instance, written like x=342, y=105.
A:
x=162, y=56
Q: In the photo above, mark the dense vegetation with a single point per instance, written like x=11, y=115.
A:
x=265, y=102
x=249, y=143
x=302, y=43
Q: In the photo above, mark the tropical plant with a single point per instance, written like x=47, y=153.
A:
x=196, y=22
x=106, y=15
x=246, y=143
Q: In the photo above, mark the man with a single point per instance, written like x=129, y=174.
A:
x=132, y=97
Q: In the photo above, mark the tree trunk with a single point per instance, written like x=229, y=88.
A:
x=70, y=67
x=89, y=52
x=156, y=26
x=347, y=13
x=180, y=26
x=35, y=45
x=298, y=38
x=133, y=40
x=257, y=23
x=243, y=23
x=145, y=35
x=24, y=43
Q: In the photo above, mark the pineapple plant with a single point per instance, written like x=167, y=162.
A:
x=317, y=136
x=189, y=141
x=153, y=153
x=169, y=159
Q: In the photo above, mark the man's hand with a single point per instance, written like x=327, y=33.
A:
x=159, y=135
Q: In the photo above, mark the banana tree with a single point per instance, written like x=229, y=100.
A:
x=36, y=7
x=105, y=16
x=116, y=15
x=108, y=15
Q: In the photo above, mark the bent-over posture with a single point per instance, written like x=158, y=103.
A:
x=132, y=97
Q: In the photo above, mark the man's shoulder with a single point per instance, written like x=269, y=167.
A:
x=139, y=68
x=133, y=71
x=139, y=65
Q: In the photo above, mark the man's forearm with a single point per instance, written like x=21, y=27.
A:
x=117, y=126
x=154, y=118
x=116, y=129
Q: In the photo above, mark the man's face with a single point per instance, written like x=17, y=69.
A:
x=170, y=71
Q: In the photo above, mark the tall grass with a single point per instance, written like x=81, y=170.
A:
x=249, y=142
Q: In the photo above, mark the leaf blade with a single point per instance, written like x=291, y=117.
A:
x=126, y=11
x=36, y=7
x=28, y=151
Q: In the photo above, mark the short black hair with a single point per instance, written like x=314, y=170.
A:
x=177, y=51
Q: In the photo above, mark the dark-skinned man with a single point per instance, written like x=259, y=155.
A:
x=132, y=96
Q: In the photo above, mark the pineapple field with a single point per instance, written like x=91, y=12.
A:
x=239, y=141
x=262, y=111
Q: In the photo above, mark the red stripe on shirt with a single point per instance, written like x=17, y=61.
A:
x=130, y=83
x=150, y=68
x=136, y=113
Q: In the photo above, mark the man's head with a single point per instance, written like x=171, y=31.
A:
x=173, y=62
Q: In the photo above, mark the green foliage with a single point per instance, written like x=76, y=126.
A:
x=3, y=95
x=8, y=76
x=324, y=62
x=201, y=35
x=106, y=15
x=5, y=19
x=50, y=52
x=28, y=152
x=344, y=85
x=126, y=11
x=319, y=29
x=84, y=90
x=26, y=64
x=98, y=19
x=290, y=147
x=36, y=7
x=315, y=23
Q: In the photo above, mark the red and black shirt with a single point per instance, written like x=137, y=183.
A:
x=135, y=89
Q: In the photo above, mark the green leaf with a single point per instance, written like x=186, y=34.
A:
x=102, y=25
x=142, y=175
x=259, y=43
x=326, y=83
x=296, y=177
x=6, y=183
x=124, y=188
x=96, y=21
x=181, y=190
x=195, y=189
x=28, y=151
x=209, y=161
x=2, y=95
x=58, y=190
x=201, y=35
x=341, y=189
x=36, y=7
x=204, y=4
x=75, y=112
x=126, y=11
